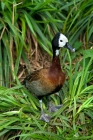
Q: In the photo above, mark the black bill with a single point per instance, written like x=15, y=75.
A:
x=70, y=47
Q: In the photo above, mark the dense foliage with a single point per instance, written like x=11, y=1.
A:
x=24, y=24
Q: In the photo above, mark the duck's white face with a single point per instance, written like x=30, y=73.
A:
x=62, y=40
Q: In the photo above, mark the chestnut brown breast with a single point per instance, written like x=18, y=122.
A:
x=56, y=75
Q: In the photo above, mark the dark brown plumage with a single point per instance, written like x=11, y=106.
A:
x=45, y=82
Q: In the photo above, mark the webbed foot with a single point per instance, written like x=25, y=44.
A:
x=45, y=117
x=54, y=108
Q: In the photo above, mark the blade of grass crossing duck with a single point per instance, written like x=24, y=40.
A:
x=70, y=76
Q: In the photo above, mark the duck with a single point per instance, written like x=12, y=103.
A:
x=46, y=81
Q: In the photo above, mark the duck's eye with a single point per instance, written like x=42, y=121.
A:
x=61, y=40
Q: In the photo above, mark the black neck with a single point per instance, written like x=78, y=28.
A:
x=55, y=53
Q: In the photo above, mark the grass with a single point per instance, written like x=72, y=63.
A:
x=20, y=110
x=28, y=24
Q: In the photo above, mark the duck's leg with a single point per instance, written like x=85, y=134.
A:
x=53, y=108
x=43, y=117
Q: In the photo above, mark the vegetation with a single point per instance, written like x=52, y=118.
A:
x=25, y=25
